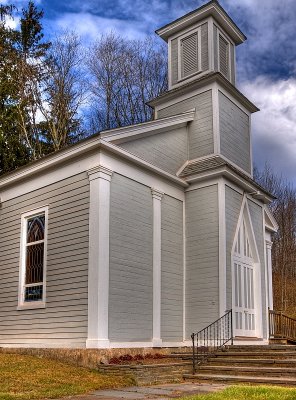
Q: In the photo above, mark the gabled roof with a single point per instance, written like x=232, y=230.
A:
x=212, y=8
x=144, y=129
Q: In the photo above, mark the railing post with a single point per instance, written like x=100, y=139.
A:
x=231, y=327
x=281, y=324
x=269, y=323
x=193, y=353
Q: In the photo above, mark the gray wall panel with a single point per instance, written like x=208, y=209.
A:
x=202, y=258
x=130, y=301
x=200, y=131
x=234, y=133
x=65, y=315
x=171, y=269
x=167, y=151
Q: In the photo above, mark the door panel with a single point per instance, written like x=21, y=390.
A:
x=244, y=311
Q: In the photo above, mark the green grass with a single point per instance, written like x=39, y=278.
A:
x=26, y=378
x=249, y=393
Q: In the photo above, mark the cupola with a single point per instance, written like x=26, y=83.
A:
x=200, y=42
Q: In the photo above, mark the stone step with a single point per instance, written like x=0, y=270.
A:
x=253, y=362
x=252, y=354
x=276, y=347
x=291, y=381
x=150, y=373
x=247, y=371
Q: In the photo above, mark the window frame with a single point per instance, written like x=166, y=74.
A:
x=180, y=53
x=22, y=304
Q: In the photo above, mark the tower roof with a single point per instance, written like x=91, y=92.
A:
x=212, y=8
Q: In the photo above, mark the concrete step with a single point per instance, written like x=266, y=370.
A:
x=291, y=381
x=247, y=371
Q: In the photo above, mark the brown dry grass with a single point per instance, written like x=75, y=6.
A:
x=26, y=377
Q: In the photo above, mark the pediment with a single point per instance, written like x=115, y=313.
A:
x=270, y=222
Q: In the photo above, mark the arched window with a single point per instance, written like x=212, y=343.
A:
x=33, y=256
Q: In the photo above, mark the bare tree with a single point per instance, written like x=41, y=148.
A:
x=64, y=92
x=284, y=241
x=124, y=75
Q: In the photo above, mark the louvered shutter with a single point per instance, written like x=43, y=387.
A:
x=189, y=54
x=224, y=56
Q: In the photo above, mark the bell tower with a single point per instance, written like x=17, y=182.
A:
x=201, y=74
x=200, y=42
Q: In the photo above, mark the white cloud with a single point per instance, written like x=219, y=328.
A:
x=12, y=23
x=274, y=127
x=90, y=27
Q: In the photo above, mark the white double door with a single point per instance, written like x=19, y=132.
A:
x=244, y=299
x=244, y=307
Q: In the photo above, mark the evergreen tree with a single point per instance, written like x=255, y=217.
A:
x=13, y=152
x=22, y=55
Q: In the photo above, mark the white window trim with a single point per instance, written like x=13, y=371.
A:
x=180, y=38
x=22, y=305
x=220, y=33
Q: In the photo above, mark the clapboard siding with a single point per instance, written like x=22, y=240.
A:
x=234, y=133
x=174, y=61
x=130, y=292
x=200, y=131
x=202, y=262
x=171, y=269
x=167, y=151
x=204, y=47
x=256, y=213
x=232, y=63
x=233, y=203
x=65, y=317
x=215, y=33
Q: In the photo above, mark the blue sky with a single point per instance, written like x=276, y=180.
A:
x=266, y=63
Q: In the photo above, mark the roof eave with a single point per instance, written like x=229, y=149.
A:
x=203, y=81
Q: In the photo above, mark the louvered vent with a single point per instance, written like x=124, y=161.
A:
x=224, y=56
x=189, y=46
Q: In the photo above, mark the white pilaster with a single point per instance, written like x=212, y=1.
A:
x=98, y=269
x=157, y=196
x=269, y=273
x=222, y=248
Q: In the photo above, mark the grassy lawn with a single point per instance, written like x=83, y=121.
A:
x=25, y=377
x=249, y=393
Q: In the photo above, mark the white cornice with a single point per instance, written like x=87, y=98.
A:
x=210, y=9
x=50, y=161
x=224, y=171
x=189, y=89
x=120, y=135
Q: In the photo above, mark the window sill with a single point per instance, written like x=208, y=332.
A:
x=31, y=306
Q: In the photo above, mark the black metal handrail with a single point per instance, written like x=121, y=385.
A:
x=211, y=339
x=281, y=326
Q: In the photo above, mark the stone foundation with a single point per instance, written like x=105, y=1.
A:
x=90, y=358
